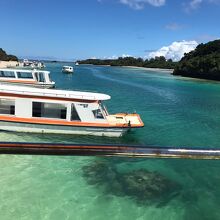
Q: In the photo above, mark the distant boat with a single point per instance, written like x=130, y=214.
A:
x=67, y=69
x=26, y=63
x=26, y=109
x=38, y=65
x=33, y=64
x=76, y=64
x=33, y=78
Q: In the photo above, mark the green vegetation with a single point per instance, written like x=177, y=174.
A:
x=203, y=62
x=157, y=62
x=5, y=57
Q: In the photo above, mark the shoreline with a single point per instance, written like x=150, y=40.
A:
x=150, y=69
x=187, y=78
x=138, y=67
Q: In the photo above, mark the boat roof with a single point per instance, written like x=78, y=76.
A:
x=22, y=70
x=67, y=67
x=53, y=93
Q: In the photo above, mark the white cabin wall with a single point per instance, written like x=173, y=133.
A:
x=23, y=108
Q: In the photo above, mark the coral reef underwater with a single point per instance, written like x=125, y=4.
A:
x=141, y=185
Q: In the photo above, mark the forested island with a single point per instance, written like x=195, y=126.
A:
x=203, y=62
x=157, y=62
x=5, y=57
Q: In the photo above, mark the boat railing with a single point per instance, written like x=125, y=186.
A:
x=109, y=150
x=19, y=69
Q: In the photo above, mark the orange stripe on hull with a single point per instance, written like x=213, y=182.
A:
x=19, y=81
x=66, y=123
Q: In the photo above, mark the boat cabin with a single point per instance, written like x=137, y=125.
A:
x=60, y=111
x=34, y=78
x=67, y=69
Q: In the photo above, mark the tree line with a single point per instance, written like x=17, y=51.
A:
x=157, y=62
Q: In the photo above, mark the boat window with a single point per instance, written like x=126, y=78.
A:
x=26, y=75
x=10, y=74
x=74, y=114
x=40, y=76
x=98, y=114
x=104, y=109
x=7, y=106
x=49, y=110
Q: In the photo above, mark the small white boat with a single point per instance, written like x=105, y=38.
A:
x=67, y=69
x=76, y=64
x=26, y=109
x=33, y=78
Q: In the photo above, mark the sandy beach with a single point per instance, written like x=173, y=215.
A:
x=8, y=64
x=151, y=69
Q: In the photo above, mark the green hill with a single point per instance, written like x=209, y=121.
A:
x=157, y=62
x=5, y=57
x=203, y=62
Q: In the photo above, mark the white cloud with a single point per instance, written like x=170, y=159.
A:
x=192, y=5
x=175, y=51
x=114, y=57
x=140, y=4
x=173, y=26
x=125, y=55
x=195, y=4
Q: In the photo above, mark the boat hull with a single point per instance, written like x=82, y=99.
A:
x=66, y=71
x=62, y=129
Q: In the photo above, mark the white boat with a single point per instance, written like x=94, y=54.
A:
x=76, y=64
x=33, y=78
x=38, y=65
x=32, y=64
x=67, y=69
x=26, y=63
x=26, y=109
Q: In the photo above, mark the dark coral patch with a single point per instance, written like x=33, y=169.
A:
x=143, y=186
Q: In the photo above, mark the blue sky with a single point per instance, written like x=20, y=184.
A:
x=78, y=29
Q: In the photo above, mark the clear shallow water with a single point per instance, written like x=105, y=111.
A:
x=175, y=112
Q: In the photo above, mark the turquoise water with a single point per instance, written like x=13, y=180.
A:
x=176, y=111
